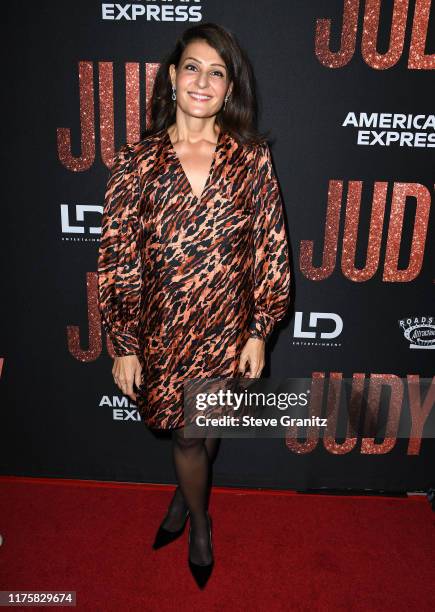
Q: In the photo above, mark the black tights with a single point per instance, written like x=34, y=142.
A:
x=193, y=459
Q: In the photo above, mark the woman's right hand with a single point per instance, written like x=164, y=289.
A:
x=126, y=371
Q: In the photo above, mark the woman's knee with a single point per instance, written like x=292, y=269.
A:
x=186, y=443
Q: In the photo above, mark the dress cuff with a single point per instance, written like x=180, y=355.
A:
x=261, y=326
x=125, y=343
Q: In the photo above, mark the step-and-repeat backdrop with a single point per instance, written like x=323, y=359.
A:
x=346, y=90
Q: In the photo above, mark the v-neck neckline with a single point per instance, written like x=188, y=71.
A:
x=180, y=165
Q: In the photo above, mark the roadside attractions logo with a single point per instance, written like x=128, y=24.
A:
x=419, y=331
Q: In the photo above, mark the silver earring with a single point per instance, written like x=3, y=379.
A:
x=174, y=93
x=226, y=100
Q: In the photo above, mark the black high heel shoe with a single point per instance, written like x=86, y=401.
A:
x=202, y=573
x=164, y=537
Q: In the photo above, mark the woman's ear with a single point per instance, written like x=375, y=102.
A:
x=172, y=74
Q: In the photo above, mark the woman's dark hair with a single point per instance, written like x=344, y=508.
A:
x=240, y=115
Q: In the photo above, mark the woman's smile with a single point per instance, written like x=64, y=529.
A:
x=199, y=97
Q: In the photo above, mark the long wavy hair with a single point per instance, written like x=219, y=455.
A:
x=240, y=115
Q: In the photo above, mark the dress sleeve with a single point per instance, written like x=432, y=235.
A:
x=272, y=267
x=119, y=257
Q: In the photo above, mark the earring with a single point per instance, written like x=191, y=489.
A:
x=174, y=93
x=226, y=100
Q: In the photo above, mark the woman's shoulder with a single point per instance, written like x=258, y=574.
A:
x=248, y=150
x=257, y=151
x=132, y=153
x=263, y=151
x=257, y=148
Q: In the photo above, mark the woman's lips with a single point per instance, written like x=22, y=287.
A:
x=199, y=97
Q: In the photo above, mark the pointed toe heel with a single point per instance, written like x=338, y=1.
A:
x=202, y=573
x=164, y=536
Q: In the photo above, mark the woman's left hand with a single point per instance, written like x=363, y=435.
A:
x=252, y=355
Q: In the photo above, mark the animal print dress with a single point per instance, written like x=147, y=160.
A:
x=183, y=281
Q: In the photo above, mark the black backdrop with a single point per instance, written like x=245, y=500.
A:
x=58, y=400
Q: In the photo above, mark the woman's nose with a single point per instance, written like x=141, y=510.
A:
x=202, y=79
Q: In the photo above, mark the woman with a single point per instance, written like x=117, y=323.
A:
x=193, y=265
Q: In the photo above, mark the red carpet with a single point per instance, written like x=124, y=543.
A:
x=273, y=550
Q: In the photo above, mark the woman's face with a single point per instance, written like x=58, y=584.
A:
x=201, y=80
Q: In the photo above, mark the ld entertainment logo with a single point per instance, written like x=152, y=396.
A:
x=419, y=331
x=73, y=222
x=322, y=331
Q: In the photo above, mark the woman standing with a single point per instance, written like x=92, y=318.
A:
x=193, y=265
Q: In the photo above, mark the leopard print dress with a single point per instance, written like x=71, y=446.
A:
x=184, y=281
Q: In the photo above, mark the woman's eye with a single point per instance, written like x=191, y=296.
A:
x=219, y=73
